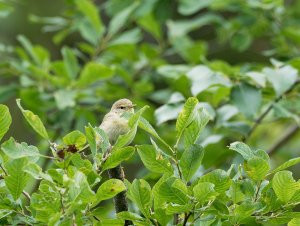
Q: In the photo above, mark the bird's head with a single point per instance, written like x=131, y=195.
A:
x=123, y=106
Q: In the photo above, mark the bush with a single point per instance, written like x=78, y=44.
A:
x=204, y=64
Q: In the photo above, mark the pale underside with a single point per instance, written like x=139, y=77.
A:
x=114, y=125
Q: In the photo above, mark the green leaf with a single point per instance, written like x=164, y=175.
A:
x=243, y=211
x=186, y=115
x=65, y=98
x=110, y=222
x=133, y=121
x=125, y=215
x=17, y=179
x=241, y=40
x=5, y=9
x=132, y=36
x=15, y=150
x=287, y=164
x=192, y=132
x=284, y=185
x=140, y=193
x=149, y=23
x=203, y=78
x=243, y=149
x=246, y=98
x=119, y=20
x=219, y=178
x=91, y=12
x=204, y=192
x=93, y=72
x=36, y=172
x=180, y=28
x=102, y=137
x=174, y=190
x=117, y=156
x=188, y=7
x=46, y=202
x=235, y=192
x=79, y=191
x=109, y=189
x=173, y=208
x=5, y=120
x=75, y=138
x=191, y=160
x=154, y=161
x=34, y=121
x=294, y=222
x=167, y=112
x=257, y=168
x=145, y=125
x=29, y=48
x=70, y=62
x=91, y=139
x=281, y=78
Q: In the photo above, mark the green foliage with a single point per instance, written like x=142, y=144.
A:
x=5, y=120
x=212, y=72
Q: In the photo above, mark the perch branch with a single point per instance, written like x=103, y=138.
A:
x=266, y=112
x=120, y=201
x=292, y=130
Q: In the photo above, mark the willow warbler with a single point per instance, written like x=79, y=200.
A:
x=113, y=123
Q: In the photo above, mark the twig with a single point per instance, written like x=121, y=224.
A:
x=292, y=130
x=186, y=217
x=26, y=195
x=120, y=199
x=266, y=112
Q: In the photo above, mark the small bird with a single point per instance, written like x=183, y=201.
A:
x=113, y=123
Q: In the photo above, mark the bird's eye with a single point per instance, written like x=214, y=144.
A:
x=122, y=107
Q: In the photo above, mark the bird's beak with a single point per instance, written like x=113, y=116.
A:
x=133, y=105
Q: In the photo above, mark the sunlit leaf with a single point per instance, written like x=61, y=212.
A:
x=16, y=150
x=117, y=156
x=284, y=185
x=153, y=161
x=204, y=191
x=243, y=149
x=186, y=115
x=192, y=132
x=219, y=178
x=34, y=121
x=174, y=190
x=93, y=72
x=133, y=122
x=191, y=160
x=140, y=193
x=17, y=179
x=109, y=189
x=281, y=78
x=120, y=19
x=246, y=98
x=75, y=138
x=5, y=120
x=70, y=62
x=257, y=168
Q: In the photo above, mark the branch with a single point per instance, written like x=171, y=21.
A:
x=292, y=130
x=120, y=199
x=266, y=112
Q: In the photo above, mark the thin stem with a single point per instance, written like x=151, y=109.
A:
x=269, y=108
x=26, y=195
x=4, y=171
x=292, y=130
x=186, y=217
